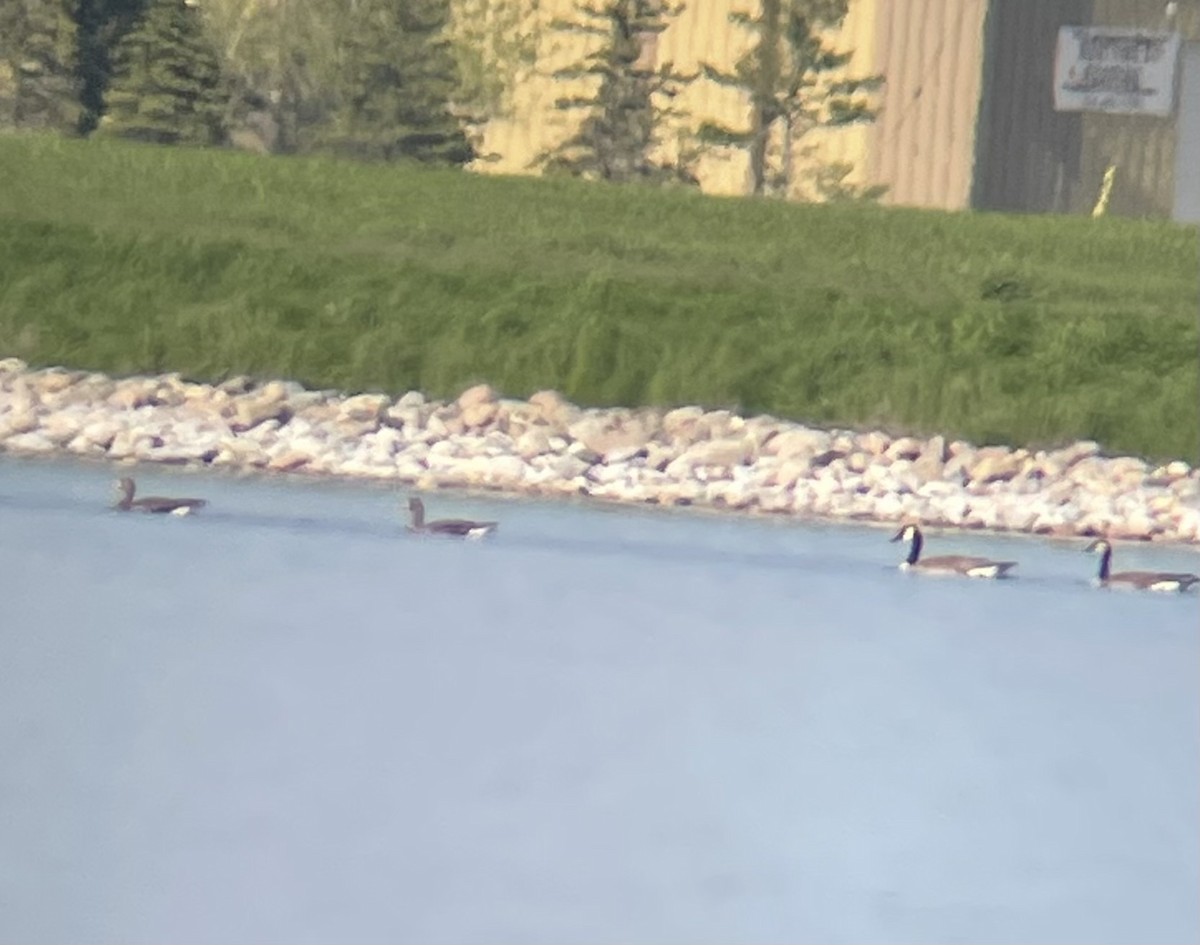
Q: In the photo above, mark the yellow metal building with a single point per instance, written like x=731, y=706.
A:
x=966, y=113
x=701, y=33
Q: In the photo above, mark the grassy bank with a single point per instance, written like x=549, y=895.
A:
x=995, y=328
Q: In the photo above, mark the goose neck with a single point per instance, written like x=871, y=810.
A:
x=914, y=548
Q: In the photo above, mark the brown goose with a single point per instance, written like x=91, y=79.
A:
x=1137, y=580
x=947, y=564
x=154, y=503
x=455, y=527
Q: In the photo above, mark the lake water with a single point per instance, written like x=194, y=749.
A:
x=284, y=719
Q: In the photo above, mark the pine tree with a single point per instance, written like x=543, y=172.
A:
x=37, y=43
x=795, y=81
x=166, y=83
x=101, y=24
x=396, y=85
x=619, y=133
x=279, y=62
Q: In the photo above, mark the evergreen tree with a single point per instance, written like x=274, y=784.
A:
x=279, y=60
x=397, y=81
x=619, y=132
x=166, y=82
x=795, y=82
x=37, y=45
x=101, y=25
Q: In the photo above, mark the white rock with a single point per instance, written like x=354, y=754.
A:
x=505, y=470
x=888, y=507
x=478, y=415
x=409, y=468
x=728, y=494
x=681, y=422
x=18, y=421
x=907, y=447
x=799, y=443
x=32, y=442
x=479, y=394
x=364, y=408
x=563, y=466
x=776, y=500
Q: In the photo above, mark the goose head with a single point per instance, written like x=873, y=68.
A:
x=125, y=487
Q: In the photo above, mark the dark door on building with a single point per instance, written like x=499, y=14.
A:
x=1027, y=155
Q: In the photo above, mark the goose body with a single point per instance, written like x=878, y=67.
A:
x=967, y=565
x=154, y=503
x=451, y=527
x=1166, y=581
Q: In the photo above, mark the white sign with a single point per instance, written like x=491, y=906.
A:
x=1110, y=69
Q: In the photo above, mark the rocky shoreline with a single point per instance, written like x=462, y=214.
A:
x=549, y=447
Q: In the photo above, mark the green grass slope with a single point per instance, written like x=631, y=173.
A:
x=1030, y=329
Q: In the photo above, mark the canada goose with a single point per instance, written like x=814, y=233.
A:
x=1137, y=580
x=459, y=528
x=158, y=504
x=947, y=564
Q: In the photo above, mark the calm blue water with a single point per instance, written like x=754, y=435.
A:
x=286, y=720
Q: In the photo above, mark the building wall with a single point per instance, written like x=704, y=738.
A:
x=1142, y=147
x=966, y=111
x=1186, y=197
x=1027, y=155
x=1030, y=157
x=852, y=145
x=923, y=144
x=701, y=33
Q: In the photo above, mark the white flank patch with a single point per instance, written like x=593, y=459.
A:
x=182, y=510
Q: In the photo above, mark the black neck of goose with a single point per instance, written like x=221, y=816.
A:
x=418, y=515
x=914, y=549
x=126, y=502
x=1105, y=563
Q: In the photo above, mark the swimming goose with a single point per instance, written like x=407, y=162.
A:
x=947, y=564
x=154, y=503
x=458, y=528
x=1137, y=580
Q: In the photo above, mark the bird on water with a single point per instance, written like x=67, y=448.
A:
x=968, y=565
x=153, y=503
x=1137, y=580
x=453, y=527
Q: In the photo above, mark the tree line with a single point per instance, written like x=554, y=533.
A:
x=418, y=79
